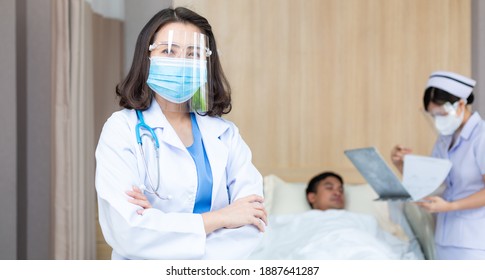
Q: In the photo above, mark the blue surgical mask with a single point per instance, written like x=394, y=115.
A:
x=176, y=79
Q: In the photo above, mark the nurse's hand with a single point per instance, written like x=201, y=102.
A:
x=397, y=156
x=138, y=198
x=248, y=210
x=434, y=204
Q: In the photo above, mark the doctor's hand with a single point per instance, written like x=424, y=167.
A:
x=434, y=204
x=138, y=198
x=397, y=156
x=248, y=210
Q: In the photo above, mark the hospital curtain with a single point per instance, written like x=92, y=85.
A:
x=73, y=147
x=87, y=59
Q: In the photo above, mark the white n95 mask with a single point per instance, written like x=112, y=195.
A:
x=447, y=125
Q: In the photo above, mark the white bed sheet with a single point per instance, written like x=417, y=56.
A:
x=331, y=235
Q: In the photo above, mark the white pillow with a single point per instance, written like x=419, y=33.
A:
x=284, y=198
x=290, y=198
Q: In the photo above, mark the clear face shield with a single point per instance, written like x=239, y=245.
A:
x=429, y=119
x=179, y=71
x=444, y=119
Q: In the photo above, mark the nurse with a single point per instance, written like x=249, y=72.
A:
x=185, y=187
x=460, y=225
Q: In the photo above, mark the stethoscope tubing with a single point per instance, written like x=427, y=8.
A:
x=142, y=125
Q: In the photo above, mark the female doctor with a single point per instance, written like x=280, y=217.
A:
x=174, y=180
x=460, y=225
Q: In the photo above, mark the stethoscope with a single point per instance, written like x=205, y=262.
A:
x=142, y=125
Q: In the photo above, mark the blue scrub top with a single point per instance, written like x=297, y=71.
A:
x=463, y=228
x=203, y=198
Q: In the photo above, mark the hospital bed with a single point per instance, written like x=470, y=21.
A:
x=287, y=207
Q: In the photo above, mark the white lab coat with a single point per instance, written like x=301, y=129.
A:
x=170, y=230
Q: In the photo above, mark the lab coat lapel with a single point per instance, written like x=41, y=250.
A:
x=217, y=153
x=155, y=118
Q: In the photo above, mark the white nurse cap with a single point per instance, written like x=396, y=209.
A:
x=453, y=83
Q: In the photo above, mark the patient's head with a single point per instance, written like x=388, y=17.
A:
x=326, y=191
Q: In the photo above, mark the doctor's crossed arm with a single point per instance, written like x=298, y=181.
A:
x=244, y=211
x=138, y=198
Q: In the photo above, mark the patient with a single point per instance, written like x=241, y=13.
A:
x=328, y=231
x=326, y=191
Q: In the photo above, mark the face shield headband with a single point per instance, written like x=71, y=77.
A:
x=179, y=71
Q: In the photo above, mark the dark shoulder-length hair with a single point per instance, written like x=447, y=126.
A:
x=134, y=92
